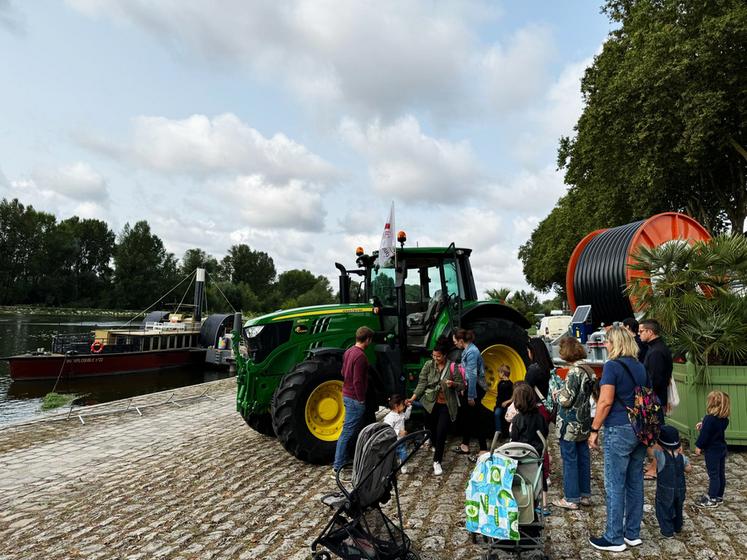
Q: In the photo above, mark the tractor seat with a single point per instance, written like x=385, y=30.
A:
x=421, y=325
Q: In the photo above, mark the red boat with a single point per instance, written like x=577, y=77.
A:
x=164, y=340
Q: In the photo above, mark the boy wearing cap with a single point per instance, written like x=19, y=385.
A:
x=670, y=481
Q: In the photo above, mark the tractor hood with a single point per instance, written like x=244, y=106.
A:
x=309, y=312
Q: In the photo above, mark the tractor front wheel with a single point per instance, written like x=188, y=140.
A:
x=500, y=342
x=261, y=423
x=308, y=412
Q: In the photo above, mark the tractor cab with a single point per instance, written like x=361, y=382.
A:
x=422, y=294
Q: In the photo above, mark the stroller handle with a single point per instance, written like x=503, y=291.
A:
x=494, y=444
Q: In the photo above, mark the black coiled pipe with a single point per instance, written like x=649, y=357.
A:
x=599, y=278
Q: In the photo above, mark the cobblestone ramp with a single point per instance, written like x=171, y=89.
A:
x=195, y=482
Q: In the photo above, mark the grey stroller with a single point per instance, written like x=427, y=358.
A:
x=359, y=529
x=527, y=491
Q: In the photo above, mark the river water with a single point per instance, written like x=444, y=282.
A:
x=21, y=400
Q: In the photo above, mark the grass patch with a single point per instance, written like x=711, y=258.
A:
x=56, y=400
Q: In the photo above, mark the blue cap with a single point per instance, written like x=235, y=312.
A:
x=669, y=437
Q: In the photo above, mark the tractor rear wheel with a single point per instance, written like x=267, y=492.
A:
x=307, y=410
x=261, y=423
x=500, y=342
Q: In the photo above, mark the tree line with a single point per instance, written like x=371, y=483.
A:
x=82, y=263
x=664, y=128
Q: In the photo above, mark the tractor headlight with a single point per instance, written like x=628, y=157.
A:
x=252, y=332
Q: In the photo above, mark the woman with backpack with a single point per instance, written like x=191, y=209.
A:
x=623, y=380
x=573, y=425
x=438, y=391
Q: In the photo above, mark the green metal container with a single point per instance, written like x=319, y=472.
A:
x=729, y=379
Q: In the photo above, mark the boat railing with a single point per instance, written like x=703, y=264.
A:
x=161, y=326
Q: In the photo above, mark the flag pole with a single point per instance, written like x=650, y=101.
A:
x=394, y=236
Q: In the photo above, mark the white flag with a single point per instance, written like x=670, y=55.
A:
x=386, y=247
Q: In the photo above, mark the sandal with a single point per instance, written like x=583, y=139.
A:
x=585, y=501
x=649, y=476
x=459, y=451
x=565, y=504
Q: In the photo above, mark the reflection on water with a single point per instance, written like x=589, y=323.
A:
x=22, y=400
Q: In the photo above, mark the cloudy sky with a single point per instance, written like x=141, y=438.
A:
x=292, y=126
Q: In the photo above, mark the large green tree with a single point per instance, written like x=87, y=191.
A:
x=24, y=236
x=664, y=127
x=143, y=269
x=197, y=258
x=254, y=268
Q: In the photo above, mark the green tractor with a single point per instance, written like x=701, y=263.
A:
x=290, y=383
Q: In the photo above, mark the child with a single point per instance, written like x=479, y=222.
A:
x=671, y=467
x=712, y=443
x=505, y=392
x=396, y=417
x=524, y=427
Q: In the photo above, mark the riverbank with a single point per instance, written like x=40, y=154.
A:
x=64, y=311
x=191, y=480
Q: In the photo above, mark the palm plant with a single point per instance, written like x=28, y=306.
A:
x=699, y=295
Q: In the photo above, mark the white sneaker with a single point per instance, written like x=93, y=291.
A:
x=437, y=470
x=403, y=470
x=633, y=542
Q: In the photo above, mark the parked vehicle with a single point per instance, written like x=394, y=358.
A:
x=553, y=326
x=290, y=383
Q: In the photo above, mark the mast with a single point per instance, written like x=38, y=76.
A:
x=199, y=291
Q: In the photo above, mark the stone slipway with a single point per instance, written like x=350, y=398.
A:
x=192, y=481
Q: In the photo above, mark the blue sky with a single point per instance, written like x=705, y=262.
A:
x=292, y=126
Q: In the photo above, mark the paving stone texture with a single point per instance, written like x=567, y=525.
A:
x=193, y=481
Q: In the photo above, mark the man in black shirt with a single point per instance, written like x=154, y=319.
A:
x=658, y=360
x=632, y=325
x=658, y=363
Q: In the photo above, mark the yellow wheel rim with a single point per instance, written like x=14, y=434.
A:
x=325, y=412
x=494, y=357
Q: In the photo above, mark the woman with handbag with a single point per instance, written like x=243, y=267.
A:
x=438, y=391
x=574, y=425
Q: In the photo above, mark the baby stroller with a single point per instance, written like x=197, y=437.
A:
x=528, y=527
x=359, y=529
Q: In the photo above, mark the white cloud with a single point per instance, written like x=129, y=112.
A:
x=561, y=107
x=48, y=200
x=202, y=146
x=407, y=164
x=516, y=73
x=78, y=181
x=534, y=192
x=296, y=205
x=379, y=59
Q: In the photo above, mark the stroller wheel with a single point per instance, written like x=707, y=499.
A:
x=324, y=555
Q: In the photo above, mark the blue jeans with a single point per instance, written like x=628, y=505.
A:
x=354, y=411
x=576, y=470
x=669, y=504
x=401, y=453
x=715, y=461
x=623, y=483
